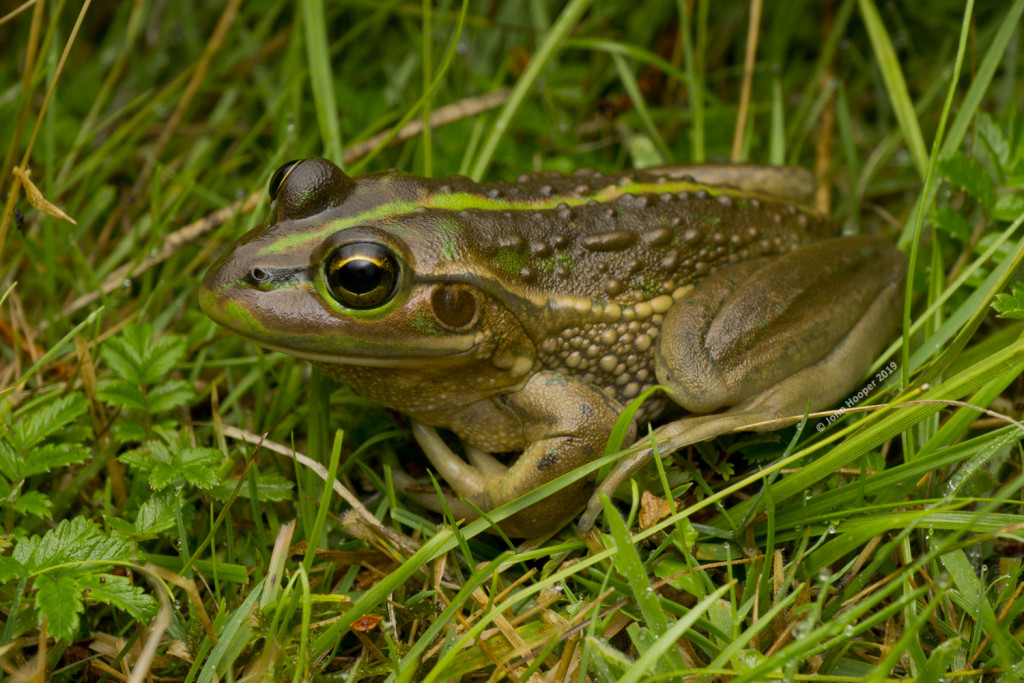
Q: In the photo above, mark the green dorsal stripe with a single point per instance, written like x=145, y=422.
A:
x=459, y=201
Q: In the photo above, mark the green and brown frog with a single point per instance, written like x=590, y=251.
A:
x=524, y=316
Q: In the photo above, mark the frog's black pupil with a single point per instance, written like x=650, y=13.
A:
x=280, y=174
x=360, y=276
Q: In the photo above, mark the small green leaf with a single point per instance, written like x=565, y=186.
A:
x=161, y=355
x=158, y=513
x=118, y=591
x=126, y=431
x=53, y=455
x=175, y=464
x=9, y=463
x=667, y=566
x=968, y=175
x=197, y=466
x=1009, y=206
x=994, y=139
x=42, y=422
x=121, y=394
x=952, y=222
x=124, y=357
x=725, y=469
x=10, y=568
x=72, y=542
x=1010, y=305
x=60, y=600
x=169, y=395
x=120, y=525
x=270, y=488
x=33, y=503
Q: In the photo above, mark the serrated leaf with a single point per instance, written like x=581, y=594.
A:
x=162, y=475
x=8, y=461
x=126, y=430
x=169, y=395
x=41, y=422
x=968, y=175
x=33, y=503
x=138, y=457
x=270, y=488
x=118, y=591
x=120, y=525
x=158, y=513
x=993, y=138
x=121, y=394
x=175, y=464
x=952, y=222
x=72, y=542
x=51, y=456
x=1010, y=305
x=197, y=466
x=725, y=469
x=125, y=358
x=161, y=355
x=60, y=600
x=1008, y=207
x=10, y=569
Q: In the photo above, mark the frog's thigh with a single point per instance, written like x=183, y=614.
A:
x=787, y=183
x=802, y=327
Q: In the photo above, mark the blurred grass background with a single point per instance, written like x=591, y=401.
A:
x=162, y=124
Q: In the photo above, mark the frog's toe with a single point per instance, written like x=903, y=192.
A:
x=428, y=497
x=467, y=481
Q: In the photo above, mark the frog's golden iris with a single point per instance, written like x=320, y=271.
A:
x=362, y=275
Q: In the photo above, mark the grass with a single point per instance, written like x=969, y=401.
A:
x=151, y=530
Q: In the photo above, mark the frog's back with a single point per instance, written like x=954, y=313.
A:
x=590, y=263
x=624, y=238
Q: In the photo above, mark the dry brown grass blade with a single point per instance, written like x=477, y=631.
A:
x=220, y=32
x=406, y=545
x=159, y=626
x=442, y=116
x=753, y=31
x=36, y=199
x=174, y=241
x=12, y=197
x=190, y=588
x=16, y=11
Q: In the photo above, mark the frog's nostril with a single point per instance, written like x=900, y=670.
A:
x=258, y=276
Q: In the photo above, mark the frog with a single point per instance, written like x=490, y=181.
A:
x=524, y=316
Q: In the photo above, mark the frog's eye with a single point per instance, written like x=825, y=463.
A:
x=362, y=274
x=307, y=187
x=280, y=174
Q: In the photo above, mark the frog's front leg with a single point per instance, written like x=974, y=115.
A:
x=561, y=423
x=761, y=341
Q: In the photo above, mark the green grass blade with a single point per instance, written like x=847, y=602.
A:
x=895, y=84
x=627, y=561
x=1008, y=26
x=665, y=645
x=554, y=38
x=314, y=26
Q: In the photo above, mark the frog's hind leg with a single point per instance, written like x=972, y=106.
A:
x=758, y=342
x=786, y=183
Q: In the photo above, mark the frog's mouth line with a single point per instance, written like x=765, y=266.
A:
x=409, y=357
